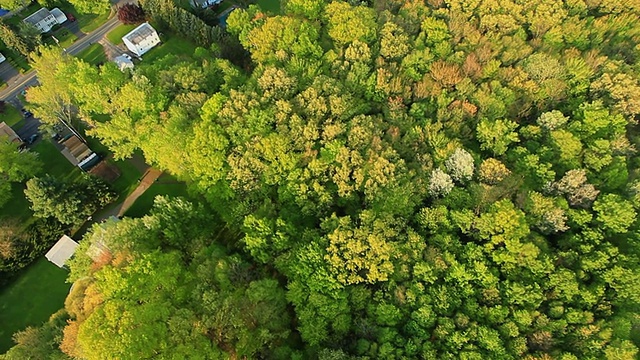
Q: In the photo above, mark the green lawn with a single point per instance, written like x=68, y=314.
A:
x=18, y=206
x=115, y=36
x=11, y=115
x=128, y=180
x=64, y=36
x=166, y=185
x=173, y=45
x=55, y=164
x=270, y=5
x=94, y=54
x=29, y=300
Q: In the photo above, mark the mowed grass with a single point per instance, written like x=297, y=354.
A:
x=31, y=298
x=54, y=163
x=64, y=36
x=94, y=54
x=11, y=115
x=115, y=36
x=165, y=185
x=173, y=45
x=18, y=206
x=270, y=5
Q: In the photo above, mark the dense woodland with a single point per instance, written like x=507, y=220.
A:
x=391, y=179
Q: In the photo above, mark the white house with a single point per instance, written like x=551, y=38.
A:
x=2, y=58
x=42, y=19
x=62, y=251
x=59, y=15
x=203, y=4
x=141, y=39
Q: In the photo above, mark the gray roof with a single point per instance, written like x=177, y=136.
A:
x=62, y=251
x=140, y=33
x=37, y=16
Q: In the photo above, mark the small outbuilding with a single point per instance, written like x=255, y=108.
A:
x=62, y=251
x=2, y=58
x=123, y=62
x=141, y=39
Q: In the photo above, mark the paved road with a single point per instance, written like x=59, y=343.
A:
x=30, y=79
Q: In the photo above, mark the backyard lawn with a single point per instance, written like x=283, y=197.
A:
x=11, y=115
x=115, y=36
x=165, y=185
x=17, y=207
x=270, y=5
x=55, y=164
x=174, y=45
x=31, y=299
x=94, y=54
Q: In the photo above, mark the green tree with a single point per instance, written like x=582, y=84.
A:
x=68, y=203
x=15, y=167
x=496, y=136
x=91, y=6
x=614, y=213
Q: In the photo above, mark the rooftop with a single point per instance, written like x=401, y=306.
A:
x=62, y=251
x=37, y=16
x=140, y=33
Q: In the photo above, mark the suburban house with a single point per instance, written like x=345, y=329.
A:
x=6, y=130
x=2, y=58
x=78, y=153
x=42, y=19
x=203, y=4
x=62, y=251
x=141, y=39
x=59, y=15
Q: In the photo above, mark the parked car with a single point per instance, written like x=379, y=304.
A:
x=126, y=56
x=32, y=138
x=70, y=17
x=26, y=113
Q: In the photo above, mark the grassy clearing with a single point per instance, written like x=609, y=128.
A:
x=115, y=36
x=173, y=45
x=270, y=5
x=165, y=185
x=11, y=115
x=31, y=299
x=128, y=180
x=94, y=54
x=18, y=207
x=64, y=36
x=55, y=164
x=90, y=22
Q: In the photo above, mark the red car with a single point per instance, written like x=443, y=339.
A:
x=70, y=17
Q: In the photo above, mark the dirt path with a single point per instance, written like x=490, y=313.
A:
x=147, y=180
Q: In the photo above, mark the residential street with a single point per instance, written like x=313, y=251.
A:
x=21, y=82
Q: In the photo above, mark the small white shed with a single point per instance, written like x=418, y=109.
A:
x=62, y=251
x=2, y=58
x=123, y=62
x=141, y=39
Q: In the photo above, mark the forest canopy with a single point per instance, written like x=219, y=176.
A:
x=389, y=179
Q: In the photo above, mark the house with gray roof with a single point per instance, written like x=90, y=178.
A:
x=42, y=19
